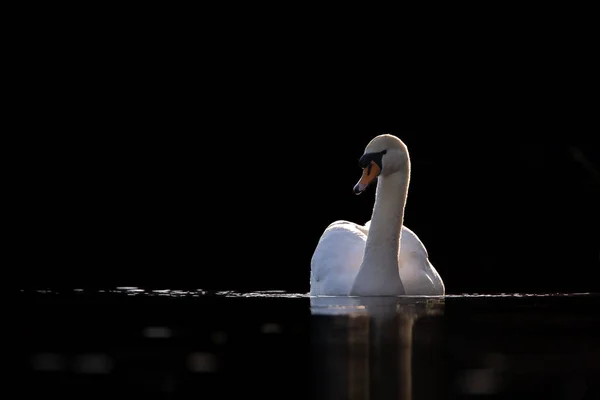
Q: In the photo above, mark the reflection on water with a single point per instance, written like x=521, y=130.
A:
x=272, y=344
x=366, y=348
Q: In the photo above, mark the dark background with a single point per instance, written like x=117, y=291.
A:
x=241, y=206
x=217, y=165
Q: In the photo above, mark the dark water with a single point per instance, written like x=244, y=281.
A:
x=136, y=343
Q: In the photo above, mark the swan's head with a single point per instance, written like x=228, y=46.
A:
x=384, y=155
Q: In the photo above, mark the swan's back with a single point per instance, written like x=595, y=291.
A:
x=418, y=275
x=336, y=259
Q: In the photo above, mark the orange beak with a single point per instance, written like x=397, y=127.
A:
x=368, y=175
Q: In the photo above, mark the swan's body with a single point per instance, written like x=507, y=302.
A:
x=382, y=257
x=339, y=254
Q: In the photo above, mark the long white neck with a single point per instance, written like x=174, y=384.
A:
x=378, y=274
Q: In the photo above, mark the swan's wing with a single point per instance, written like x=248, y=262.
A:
x=412, y=243
x=336, y=259
x=418, y=275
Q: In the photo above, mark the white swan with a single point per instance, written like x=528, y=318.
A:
x=383, y=257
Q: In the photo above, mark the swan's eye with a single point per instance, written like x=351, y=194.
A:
x=369, y=169
x=368, y=158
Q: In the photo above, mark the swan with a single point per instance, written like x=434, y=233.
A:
x=382, y=257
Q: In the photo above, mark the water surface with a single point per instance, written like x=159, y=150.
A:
x=222, y=344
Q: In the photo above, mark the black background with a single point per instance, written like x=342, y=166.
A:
x=148, y=164
x=241, y=207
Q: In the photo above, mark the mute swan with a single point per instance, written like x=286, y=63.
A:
x=383, y=257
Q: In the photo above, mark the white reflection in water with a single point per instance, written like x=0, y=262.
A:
x=92, y=364
x=157, y=332
x=202, y=362
x=271, y=327
x=365, y=347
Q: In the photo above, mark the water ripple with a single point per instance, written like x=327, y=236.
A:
x=136, y=291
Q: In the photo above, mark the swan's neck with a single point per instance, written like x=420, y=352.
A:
x=378, y=273
x=383, y=240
